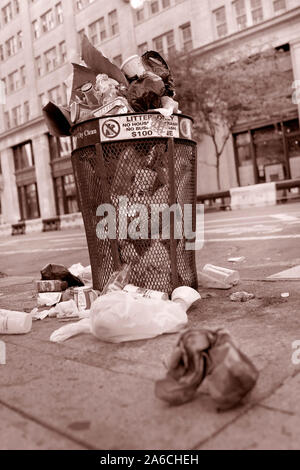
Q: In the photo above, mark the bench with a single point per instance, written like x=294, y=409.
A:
x=18, y=229
x=52, y=224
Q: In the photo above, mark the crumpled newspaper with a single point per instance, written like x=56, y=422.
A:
x=207, y=353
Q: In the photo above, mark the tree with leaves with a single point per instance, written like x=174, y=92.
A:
x=223, y=92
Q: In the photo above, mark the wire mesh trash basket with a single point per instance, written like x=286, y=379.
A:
x=127, y=168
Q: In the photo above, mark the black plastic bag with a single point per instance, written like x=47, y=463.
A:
x=60, y=273
x=146, y=92
x=154, y=62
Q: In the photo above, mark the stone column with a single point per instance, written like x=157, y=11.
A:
x=295, y=56
x=10, y=202
x=43, y=176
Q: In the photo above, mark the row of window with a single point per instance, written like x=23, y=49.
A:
x=64, y=186
x=246, y=13
x=51, y=59
x=48, y=21
x=18, y=116
x=102, y=28
x=15, y=80
x=10, y=11
x=57, y=95
x=165, y=43
x=12, y=46
x=151, y=8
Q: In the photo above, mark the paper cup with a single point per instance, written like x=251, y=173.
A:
x=187, y=294
x=133, y=66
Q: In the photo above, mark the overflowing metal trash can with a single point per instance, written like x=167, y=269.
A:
x=129, y=166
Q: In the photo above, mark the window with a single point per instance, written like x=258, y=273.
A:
x=81, y=4
x=11, y=46
x=50, y=59
x=23, y=75
x=165, y=44
x=47, y=21
x=59, y=13
x=23, y=156
x=81, y=33
x=170, y=43
x=66, y=195
x=154, y=7
x=20, y=40
x=17, y=116
x=36, y=29
x=113, y=22
x=257, y=11
x=7, y=13
x=118, y=60
x=7, y=120
x=97, y=31
x=240, y=13
x=159, y=45
x=220, y=19
x=142, y=48
x=26, y=111
x=28, y=201
x=39, y=67
x=63, y=52
x=140, y=14
x=165, y=3
x=55, y=95
x=17, y=7
x=1, y=53
x=43, y=99
x=14, y=81
x=279, y=5
x=186, y=34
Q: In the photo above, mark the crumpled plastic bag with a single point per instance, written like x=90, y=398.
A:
x=71, y=330
x=61, y=273
x=118, y=317
x=207, y=353
x=146, y=92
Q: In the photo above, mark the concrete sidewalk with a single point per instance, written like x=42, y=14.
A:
x=86, y=394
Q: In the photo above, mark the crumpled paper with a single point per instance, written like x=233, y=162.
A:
x=207, y=353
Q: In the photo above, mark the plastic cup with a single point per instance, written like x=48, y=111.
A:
x=227, y=276
x=133, y=66
x=186, y=294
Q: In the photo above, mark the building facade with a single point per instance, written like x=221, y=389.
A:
x=38, y=41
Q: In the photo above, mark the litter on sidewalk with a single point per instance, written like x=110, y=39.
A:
x=241, y=296
x=120, y=316
x=14, y=323
x=216, y=277
x=207, y=353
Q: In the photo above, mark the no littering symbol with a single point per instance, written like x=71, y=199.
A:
x=111, y=129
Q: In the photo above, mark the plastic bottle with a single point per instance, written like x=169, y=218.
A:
x=14, y=323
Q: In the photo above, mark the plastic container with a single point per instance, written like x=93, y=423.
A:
x=227, y=276
x=14, y=323
x=133, y=66
x=186, y=296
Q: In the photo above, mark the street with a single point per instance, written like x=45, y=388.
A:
x=85, y=394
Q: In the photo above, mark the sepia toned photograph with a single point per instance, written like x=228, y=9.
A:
x=149, y=228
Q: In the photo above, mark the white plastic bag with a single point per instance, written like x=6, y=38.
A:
x=70, y=330
x=119, y=316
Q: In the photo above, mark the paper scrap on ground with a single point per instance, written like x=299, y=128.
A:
x=292, y=273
